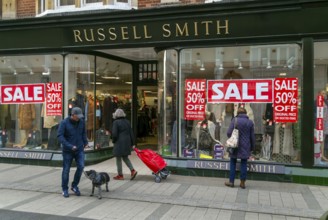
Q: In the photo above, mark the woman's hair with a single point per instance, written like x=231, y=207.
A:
x=119, y=113
x=241, y=111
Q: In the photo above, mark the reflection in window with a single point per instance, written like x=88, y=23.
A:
x=67, y=2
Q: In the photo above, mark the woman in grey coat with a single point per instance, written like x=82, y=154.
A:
x=123, y=140
x=246, y=144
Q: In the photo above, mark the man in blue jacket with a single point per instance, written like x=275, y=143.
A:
x=73, y=138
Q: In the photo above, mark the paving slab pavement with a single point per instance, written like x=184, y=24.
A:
x=36, y=189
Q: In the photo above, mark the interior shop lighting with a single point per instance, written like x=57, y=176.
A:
x=46, y=73
x=15, y=72
x=240, y=66
x=97, y=83
x=282, y=74
x=85, y=72
x=269, y=65
x=128, y=83
x=110, y=77
x=221, y=67
x=202, y=68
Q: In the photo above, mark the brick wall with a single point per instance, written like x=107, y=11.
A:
x=26, y=8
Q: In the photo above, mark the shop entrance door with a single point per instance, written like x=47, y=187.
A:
x=147, y=117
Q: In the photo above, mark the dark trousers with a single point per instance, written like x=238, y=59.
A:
x=67, y=163
x=243, y=169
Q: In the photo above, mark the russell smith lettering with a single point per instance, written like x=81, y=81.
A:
x=25, y=155
x=150, y=31
x=222, y=165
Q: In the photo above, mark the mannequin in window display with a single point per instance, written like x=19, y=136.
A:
x=89, y=112
x=77, y=101
x=283, y=140
x=209, y=124
x=26, y=117
x=108, y=110
x=48, y=121
x=324, y=145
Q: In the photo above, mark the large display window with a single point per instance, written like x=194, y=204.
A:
x=38, y=91
x=98, y=86
x=320, y=103
x=239, y=74
x=28, y=117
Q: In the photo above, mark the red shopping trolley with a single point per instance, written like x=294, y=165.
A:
x=154, y=162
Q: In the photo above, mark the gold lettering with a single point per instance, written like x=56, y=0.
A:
x=125, y=33
x=113, y=35
x=101, y=34
x=77, y=36
x=196, y=28
x=206, y=26
x=219, y=27
x=146, y=32
x=183, y=31
x=135, y=33
x=91, y=37
x=166, y=29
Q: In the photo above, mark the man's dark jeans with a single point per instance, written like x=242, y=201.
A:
x=67, y=162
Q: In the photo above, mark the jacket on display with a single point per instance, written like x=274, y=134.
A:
x=26, y=116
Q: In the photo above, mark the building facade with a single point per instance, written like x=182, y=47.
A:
x=180, y=80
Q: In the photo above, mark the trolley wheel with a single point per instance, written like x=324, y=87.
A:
x=158, y=179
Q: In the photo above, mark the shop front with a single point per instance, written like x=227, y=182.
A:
x=181, y=98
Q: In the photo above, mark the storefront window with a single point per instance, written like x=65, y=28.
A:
x=265, y=80
x=29, y=118
x=98, y=92
x=321, y=103
x=113, y=90
x=167, y=101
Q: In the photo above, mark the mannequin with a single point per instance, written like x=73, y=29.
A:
x=89, y=113
x=26, y=116
x=210, y=125
x=283, y=142
x=48, y=121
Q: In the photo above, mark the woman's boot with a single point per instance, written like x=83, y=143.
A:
x=242, y=184
x=229, y=184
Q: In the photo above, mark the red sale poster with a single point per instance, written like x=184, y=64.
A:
x=195, y=92
x=54, y=98
x=285, y=100
x=239, y=91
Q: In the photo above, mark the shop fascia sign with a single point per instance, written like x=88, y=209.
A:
x=225, y=165
x=156, y=30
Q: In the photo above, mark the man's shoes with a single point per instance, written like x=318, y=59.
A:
x=76, y=190
x=65, y=193
x=242, y=184
x=119, y=177
x=133, y=174
x=229, y=184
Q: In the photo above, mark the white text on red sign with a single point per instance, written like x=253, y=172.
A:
x=22, y=93
x=251, y=90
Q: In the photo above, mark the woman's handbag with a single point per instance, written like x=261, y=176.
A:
x=232, y=142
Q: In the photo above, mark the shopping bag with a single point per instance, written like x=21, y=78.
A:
x=232, y=142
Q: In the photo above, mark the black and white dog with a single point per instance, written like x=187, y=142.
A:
x=97, y=179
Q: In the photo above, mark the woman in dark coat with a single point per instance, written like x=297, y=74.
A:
x=245, y=146
x=123, y=140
